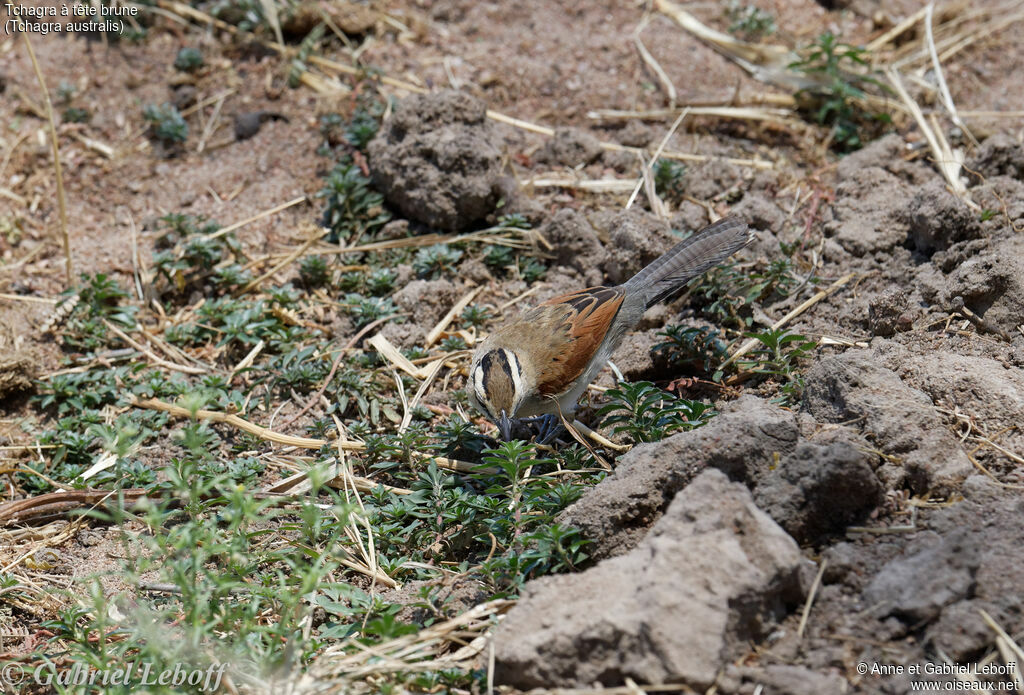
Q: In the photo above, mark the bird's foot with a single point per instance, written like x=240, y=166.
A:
x=549, y=427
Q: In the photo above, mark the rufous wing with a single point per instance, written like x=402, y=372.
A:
x=581, y=321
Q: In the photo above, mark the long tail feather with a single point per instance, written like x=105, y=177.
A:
x=690, y=258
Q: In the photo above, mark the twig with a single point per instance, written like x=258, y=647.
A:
x=185, y=369
x=663, y=78
x=436, y=331
x=313, y=238
x=657, y=153
x=258, y=216
x=235, y=421
x=947, y=98
x=810, y=599
x=950, y=169
x=61, y=202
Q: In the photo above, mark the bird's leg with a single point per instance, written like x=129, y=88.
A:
x=550, y=427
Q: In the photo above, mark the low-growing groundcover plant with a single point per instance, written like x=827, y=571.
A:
x=214, y=559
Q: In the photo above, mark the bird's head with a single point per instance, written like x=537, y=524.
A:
x=496, y=387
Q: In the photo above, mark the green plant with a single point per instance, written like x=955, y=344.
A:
x=838, y=94
x=531, y=270
x=749, y=21
x=691, y=348
x=668, y=179
x=352, y=206
x=189, y=59
x=193, y=257
x=313, y=271
x=777, y=358
x=453, y=343
x=648, y=414
x=165, y=123
x=364, y=310
x=73, y=114
x=381, y=281
x=476, y=315
x=498, y=257
x=435, y=260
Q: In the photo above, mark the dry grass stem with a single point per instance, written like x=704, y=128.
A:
x=810, y=599
x=436, y=331
x=61, y=201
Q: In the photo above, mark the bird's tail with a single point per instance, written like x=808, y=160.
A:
x=690, y=258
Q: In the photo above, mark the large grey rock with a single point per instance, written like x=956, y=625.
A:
x=742, y=441
x=714, y=572
x=817, y=490
x=935, y=572
x=853, y=387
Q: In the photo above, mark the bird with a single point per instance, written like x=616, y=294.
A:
x=540, y=363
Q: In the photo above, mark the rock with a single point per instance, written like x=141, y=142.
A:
x=782, y=679
x=885, y=153
x=884, y=311
x=714, y=573
x=426, y=301
x=999, y=155
x=990, y=516
x=985, y=387
x=706, y=180
x=960, y=632
x=992, y=284
x=570, y=147
x=436, y=160
x=742, y=441
x=817, y=490
x=761, y=214
x=933, y=573
x=938, y=219
x=867, y=213
x=576, y=244
x=635, y=238
x=852, y=386
x=635, y=133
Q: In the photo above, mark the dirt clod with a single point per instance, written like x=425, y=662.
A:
x=742, y=442
x=885, y=310
x=938, y=218
x=635, y=238
x=999, y=155
x=436, y=160
x=819, y=489
x=867, y=214
x=570, y=147
x=576, y=244
x=903, y=421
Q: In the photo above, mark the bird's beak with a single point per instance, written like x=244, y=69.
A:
x=505, y=426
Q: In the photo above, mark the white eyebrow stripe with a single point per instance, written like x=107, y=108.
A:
x=478, y=386
x=516, y=370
